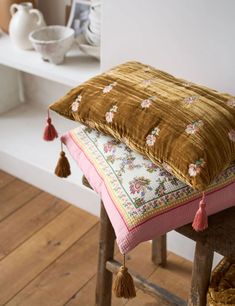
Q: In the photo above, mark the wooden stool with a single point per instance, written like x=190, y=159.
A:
x=219, y=237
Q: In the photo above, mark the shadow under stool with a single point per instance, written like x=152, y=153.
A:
x=219, y=237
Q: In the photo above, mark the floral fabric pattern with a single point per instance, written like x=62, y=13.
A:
x=141, y=189
x=140, y=185
x=190, y=100
x=194, y=127
x=147, y=82
x=196, y=168
x=151, y=138
x=147, y=102
x=110, y=114
x=109, y=87
x=76, y=103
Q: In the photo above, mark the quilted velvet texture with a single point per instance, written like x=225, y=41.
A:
x=189, y=129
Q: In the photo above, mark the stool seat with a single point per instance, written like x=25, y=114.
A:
x=219, y=235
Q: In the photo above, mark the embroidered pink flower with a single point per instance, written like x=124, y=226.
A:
x=146, y=103
x=194, y=127
x=231, y=102
x=135, y=187
x=196, y=168
x=109, y=117
x=109, y=87
x=192, y=170
x=110, y=145
x=231, y=135
x=147, y=82
x=110, y=114
x=151, y=138
x=190, y=100
x=75, y=104
x=150, y=167
x=139, y=185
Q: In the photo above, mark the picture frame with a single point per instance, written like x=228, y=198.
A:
x=79, y=15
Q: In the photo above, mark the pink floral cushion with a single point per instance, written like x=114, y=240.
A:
x=142, y=200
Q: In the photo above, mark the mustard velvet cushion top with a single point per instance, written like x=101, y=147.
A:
x=186, y=128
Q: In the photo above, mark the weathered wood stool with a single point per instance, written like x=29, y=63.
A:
x=219, y=237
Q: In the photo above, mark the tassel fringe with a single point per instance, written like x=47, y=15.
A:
x=124, y=285
x=63, y=167
x=50, y=132
x=200, y=222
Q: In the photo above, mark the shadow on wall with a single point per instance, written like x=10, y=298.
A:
x=53, y=14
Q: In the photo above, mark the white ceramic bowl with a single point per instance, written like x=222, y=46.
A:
x=52, y=42
x=86, y=48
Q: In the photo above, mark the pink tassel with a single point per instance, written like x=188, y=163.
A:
x=200, y=222
x=50, y=132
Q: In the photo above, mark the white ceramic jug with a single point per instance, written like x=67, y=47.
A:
x=24, y=20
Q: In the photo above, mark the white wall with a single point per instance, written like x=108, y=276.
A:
x=10, y=93
x=191, y=39
x=188, y=38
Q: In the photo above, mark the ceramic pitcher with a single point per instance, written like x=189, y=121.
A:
x=5, y=15
x=24, y=20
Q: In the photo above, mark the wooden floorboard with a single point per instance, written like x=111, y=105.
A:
x=27, y=220
x=14, y=195
x=38, y=252
x=59, y=282
x=48, y=253
x=5, y=178
x=135, y=261
x=175, y=277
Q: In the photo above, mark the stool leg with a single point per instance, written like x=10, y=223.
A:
x=106, y=251
x=202, y=265
x=159, y=250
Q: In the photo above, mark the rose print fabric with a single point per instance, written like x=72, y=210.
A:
x=142, y=199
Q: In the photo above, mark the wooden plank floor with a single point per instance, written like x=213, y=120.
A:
x=48, y=253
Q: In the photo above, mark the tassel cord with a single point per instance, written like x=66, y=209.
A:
x=50, y=132
x=63, y=167
x=200, y=222
x=124, y=285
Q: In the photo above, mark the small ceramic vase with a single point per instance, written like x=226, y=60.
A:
x=5, y=15
x=24, y=20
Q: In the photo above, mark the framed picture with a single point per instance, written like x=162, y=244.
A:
x=79, y=15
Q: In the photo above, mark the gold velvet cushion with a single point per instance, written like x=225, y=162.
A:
x=186, y=128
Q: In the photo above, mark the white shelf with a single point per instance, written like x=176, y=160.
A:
x=24, y=154
x=76, y=69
